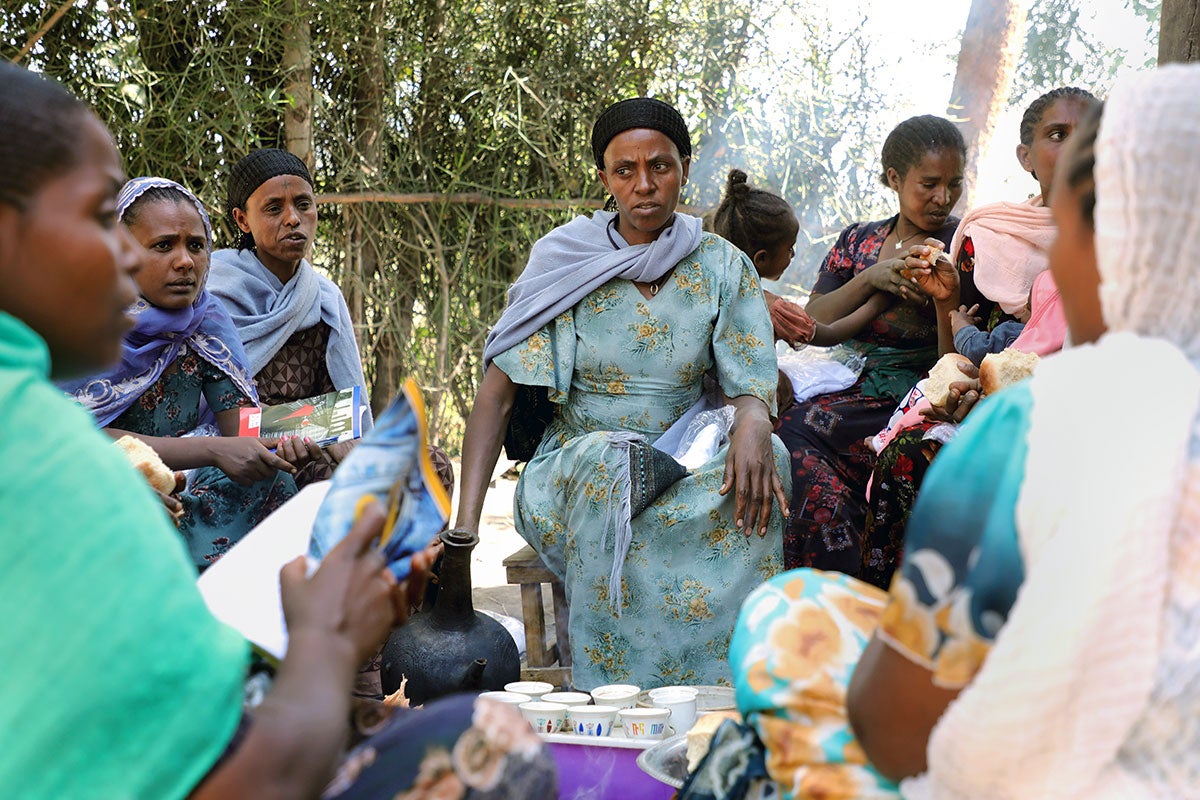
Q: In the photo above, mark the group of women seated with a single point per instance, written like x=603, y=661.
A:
x=1037, y=636
x=1011, y=618
x=219, y=331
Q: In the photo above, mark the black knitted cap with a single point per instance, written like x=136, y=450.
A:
x=253, y=171
x=639, y=112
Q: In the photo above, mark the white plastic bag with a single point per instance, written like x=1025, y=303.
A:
x=819, y=370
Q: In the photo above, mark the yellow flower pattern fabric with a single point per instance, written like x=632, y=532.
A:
x=622, y=362
x=797, y=641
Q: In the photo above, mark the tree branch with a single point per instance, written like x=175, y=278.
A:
x=42, y=31
x=469, y=198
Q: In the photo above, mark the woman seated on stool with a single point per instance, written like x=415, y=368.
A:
x=615, y=321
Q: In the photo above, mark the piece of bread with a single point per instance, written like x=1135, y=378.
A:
x=700, y=736
x=944, y=373
x=935, y=254
x=146, y=461
x=1005, y=368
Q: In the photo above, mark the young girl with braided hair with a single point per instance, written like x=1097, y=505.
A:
x=763, y=226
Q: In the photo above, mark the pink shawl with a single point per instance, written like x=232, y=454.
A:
x=1011, y=244
x=1047, y=327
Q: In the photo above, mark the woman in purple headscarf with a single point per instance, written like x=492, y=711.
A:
x=183, y=377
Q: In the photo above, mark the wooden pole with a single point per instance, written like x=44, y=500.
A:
x=1179, y=32
x=472, y=198
x=32, y=41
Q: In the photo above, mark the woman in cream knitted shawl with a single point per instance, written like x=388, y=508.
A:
x=1042, y=637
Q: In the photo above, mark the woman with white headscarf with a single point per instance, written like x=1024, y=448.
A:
x=1040, y=639
x=183, y=377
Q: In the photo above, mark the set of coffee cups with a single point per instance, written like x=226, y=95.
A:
x=548, y=711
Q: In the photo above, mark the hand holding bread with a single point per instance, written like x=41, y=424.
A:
x=952, y=389
x=165, y=482
x=950, y=369
x=931, y=269
x=1001, y=370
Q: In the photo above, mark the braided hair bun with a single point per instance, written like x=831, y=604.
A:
x=753, y=219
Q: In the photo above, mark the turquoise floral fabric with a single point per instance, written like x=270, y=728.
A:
x=217, y=512
x=621, y=362
x=962, y=565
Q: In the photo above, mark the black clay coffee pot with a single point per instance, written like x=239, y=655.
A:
x=452, y=648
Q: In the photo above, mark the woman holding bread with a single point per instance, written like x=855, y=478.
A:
x=1041, y=629
x=183, y=378
x=923, y=162
x=1001, y=250
x=118, y=680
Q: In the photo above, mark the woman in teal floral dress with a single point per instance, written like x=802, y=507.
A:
x=612, y=327
x=183, y=378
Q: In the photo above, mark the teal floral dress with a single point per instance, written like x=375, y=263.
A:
x=217, y=512
x=621, y=362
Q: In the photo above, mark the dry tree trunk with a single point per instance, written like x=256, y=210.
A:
x=367, y=223
x=991, y=45
x=1179, y=31
x=297, y=67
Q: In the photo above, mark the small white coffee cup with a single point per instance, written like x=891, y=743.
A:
x=682, y=702
x=512, y=698
x=621, y=695
x=644, y=723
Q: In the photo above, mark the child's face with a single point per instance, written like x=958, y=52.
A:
x=771, y=264
x=175, y=257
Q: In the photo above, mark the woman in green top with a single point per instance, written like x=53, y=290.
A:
x=118, y=682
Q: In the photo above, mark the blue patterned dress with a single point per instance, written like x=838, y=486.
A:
x=621, y=362
x=217, y=512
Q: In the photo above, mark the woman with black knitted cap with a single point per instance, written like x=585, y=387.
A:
x=293, y=321
x=597, y=358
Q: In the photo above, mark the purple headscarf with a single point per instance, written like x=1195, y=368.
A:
x=160, y=335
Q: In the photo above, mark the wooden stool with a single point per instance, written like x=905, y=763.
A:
x=525, y=568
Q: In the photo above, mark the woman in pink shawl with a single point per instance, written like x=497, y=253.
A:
x=1001, y=250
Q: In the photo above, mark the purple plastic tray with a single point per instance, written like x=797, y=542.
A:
x=592, y=770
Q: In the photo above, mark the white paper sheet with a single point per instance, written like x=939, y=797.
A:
x=242, y=588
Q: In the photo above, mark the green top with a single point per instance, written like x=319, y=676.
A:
x=117, y=681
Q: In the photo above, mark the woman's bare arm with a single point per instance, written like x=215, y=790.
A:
x=893, y=705
x=884, y=276
x=849, y=326
x=336, y=619
x=481, y=443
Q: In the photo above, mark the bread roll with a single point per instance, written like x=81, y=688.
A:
x=1005, y=368
x=944, y=373
x=146, y=461
x=700, y=736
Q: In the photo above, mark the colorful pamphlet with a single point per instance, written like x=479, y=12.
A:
x=325, y=419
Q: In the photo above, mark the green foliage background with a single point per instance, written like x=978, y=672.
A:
x=484, y=97
x=484, y=109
